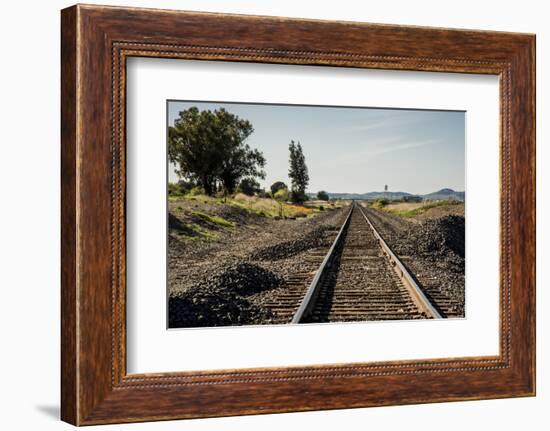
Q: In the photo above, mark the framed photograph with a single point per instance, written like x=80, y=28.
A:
x=264, y=215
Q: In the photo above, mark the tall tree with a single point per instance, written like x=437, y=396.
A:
x=209, y=147
x=298, y=172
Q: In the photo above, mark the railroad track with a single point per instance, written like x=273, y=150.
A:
x=358, y=279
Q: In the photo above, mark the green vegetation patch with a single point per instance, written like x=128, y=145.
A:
x=189, y=230
x=195, y=232
x=213, y=219
x=379, y=204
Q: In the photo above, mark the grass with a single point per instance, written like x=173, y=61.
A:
x=272, y=208
x=200, y=225
x=264, y=207
x=379, y=204
x=413, y=210
x=197, y=233
x=216, y=220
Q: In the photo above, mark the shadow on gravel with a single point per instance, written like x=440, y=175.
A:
x=221, y=299
x=176, y=224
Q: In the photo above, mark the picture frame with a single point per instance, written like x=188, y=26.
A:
x=96, y=41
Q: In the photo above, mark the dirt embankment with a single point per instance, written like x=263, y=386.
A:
x=420, y=211
x=442, y=211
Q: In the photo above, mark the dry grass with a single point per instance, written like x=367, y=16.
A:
x=269, y=207
x=413, y=209
x=404, y=206
x=265, y=207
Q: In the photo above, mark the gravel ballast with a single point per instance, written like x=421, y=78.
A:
x=434, y=251
x=228, y=280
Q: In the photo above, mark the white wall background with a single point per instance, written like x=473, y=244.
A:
x=29, y=214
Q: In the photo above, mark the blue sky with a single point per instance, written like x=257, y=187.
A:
x=355, y=150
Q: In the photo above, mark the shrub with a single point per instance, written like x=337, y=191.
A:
x=276, y=186
x=282, y=195
x=380, y=203
x=249, y=186
x=298, y=197
x=180, y=188
x=195, y=191
x=174, y=190
x=322, y=196
x=263, y=194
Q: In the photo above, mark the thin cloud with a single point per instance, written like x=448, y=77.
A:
x=389, y=122
x=390, y=145
x=401, y=147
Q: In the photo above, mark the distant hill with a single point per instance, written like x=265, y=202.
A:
x=438, y=195
x=369, y=195
x=445, y=194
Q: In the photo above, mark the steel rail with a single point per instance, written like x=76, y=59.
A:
x=312, y=292
x=418, y=296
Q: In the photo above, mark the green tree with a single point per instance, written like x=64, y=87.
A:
x=322, y=196
x=276, y=186
x=208, y=147
x=298, y=172
x=240, y=161
x=249, y=186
